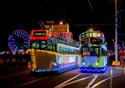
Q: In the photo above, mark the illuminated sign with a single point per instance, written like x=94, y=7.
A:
x=94, y=34
x=39, y=33
x=58, y=27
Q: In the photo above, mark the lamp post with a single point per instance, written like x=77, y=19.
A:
x=116, y=26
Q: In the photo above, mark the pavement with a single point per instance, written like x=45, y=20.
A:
x=11, y=68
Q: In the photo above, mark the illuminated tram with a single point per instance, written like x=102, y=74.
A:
x=51, y=53
x=93, y=51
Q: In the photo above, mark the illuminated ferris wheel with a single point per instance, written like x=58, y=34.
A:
x=18, y=40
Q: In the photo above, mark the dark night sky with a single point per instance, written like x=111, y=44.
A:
x=25, y=14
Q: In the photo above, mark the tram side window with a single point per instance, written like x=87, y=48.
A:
x=35, y=44
x=73, y=51
x=59, y=49
x=49, y=46
x=70, y=50
x=53, y=47
x=66, y=50
x=43, y=44
x=63, y=50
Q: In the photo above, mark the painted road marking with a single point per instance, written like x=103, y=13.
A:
x=102, y=81
x=24, y=84
x=92, y=81
x=75, y=81
x=121, y=68
x=58, y=86
x=111, y=78
x=12, y=75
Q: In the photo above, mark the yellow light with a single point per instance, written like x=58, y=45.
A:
x=61, y=22
x=97, y=63
x=90, y=29
x=44, y=53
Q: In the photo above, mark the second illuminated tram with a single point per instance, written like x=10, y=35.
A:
x=93, y=51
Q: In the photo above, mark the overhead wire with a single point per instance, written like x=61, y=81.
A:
x=90, y=5
x=60, y=12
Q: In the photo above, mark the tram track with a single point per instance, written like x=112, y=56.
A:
x=69, y=79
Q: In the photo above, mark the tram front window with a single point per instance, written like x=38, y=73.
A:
x=35, y=44
x=85, y=51
x=43, y=45
x=94, y=51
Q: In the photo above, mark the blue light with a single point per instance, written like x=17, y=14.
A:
x=93, y=69
x=58, y=69
x=13, y=38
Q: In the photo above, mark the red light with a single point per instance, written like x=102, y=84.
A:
x=38, y=38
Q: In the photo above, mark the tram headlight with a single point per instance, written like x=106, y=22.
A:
x=54, y=64
x=97, y=63
x=83, y=63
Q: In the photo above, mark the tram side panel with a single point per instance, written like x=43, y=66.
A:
x=44, y=61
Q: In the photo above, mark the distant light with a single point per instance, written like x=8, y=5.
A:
x=61, y=22
x=90, y=29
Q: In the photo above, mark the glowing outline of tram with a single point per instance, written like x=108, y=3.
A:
x=60, y=61
x=96, y=62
